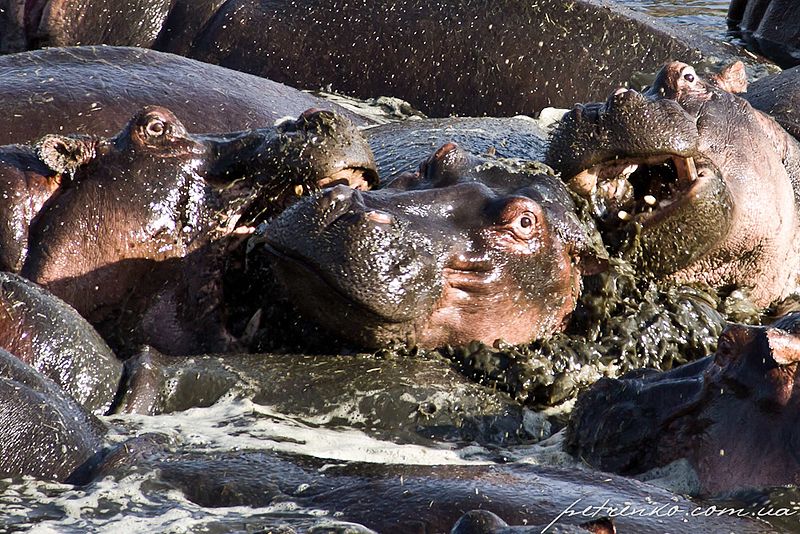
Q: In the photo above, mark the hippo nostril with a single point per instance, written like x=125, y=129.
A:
x=379, y=217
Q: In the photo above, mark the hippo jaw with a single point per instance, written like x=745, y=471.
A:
x=709, y=230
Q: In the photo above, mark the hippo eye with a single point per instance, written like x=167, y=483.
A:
x=155, y=128
x=688, y=77
x=524, y=225
x=689, y=74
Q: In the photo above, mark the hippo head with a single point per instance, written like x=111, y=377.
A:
x=466, y=249
x=155, y=192
x=734, y=415
x=690, y=167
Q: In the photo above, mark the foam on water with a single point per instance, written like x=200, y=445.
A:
x=239, y=424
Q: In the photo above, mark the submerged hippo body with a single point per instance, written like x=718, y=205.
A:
x=419, y=498
x=770, y=27
x=44, y=433
x=520, y=57
x=693, y=166
x=778, y=96
x=732, y=416
x=38, y=93
x=405, y=400
x=165, y=206
x=466, y=249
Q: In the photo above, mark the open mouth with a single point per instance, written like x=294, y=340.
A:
x=644, y=190
x=359, y=178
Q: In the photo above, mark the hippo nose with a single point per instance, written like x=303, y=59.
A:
x=444, y=166
x=336, y=201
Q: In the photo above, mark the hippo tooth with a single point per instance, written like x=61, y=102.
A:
x=630, y=169
x=650, y=200
x=686, y=169
x=624, y=215
x=298, y=190
x=584, y=182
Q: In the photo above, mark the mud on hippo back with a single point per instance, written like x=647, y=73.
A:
x=167, y=205
x=465, y=249
x=705, y=186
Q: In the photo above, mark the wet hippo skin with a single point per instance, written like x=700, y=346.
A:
x=465, y=249
x=690, y=182
x=169, y=206
x=44, y=433
x=778, y=95
x=732, y=416
x=770, y=27
x=40, y=91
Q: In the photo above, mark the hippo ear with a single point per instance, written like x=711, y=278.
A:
x=732, y=78
x=604, y=525
x=784, y=346
x=65, y=154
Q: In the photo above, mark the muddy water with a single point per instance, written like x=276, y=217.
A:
x=140, y=502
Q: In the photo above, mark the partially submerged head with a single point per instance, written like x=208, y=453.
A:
x=733, y=416
x=466, y=249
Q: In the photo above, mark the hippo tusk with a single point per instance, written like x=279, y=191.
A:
x=585, y=182
x=686, y=169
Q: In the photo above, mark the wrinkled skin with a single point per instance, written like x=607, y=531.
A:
x=778, y=96
x=167, y=206
x=45, y=333
x=521, y=57
x=409, y=498
x=732, y=415
x=44, y=433
x=693, y=166
x=400, y=146
x=75, y=22
x=117, y=82
x=466, y=249
x=769, y=27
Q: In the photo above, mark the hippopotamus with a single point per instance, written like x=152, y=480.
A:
x=398, y=498
x=669, y=165
x=38, y=94
x=778, y=96
x=521, y=58
x=170, y=206
x=45, y=433
x=47, y=334
x=436, y=257
x=731, y=416
x=406, y=400
x=770, y=27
